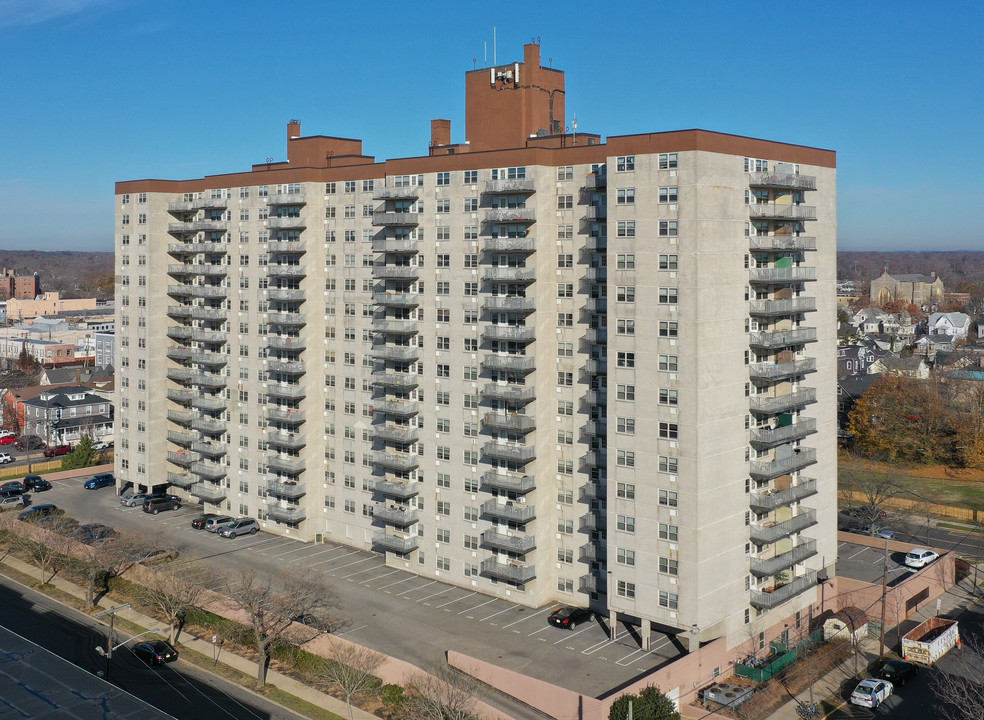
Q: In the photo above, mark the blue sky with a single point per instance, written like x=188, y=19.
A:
x=95, y=91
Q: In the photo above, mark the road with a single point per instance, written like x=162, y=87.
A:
x=179, y=689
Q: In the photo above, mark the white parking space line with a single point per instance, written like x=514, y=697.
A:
x=356, y=562
x=478, y=606
x=409, y=577
x=489, y=617
x=347, y=632
x=596, y=647
x=568, y=636
x=405, y=592
x=344, y=555
x=859, y=552
x=527, y=617
x=627, y=659
x=440, y=592
x=451, y=602
x=327, y=550
x=345, y=577
x=379, y=577
x=537, y=632
x=292, y=550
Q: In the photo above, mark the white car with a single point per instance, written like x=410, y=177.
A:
x=5, y=458
x=918, y=557
x=6, y=433
x=11, y=502
x=101, y=446
x=871, y=693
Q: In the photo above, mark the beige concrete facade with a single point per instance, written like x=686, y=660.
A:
x=593, y=374
x=50, y=303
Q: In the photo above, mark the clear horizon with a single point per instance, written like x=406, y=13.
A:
x=100, y=91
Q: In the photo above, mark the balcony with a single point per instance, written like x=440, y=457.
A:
x=194, y=226
x=510, y=482
x=206, y=269
x=208, y=470
x=286, y=199
x=801, y=458
x=768, y=534
x=516, y=363
x=395, y=543
x=180, y=396
x=285, y=294
x=589, y=552
x=285, y=342
x=181, y=480
x=285, y=367
x=770, y=437
x=395, y=245
x=595, y=244
x=511, y=393
x=209, y=449
x=208, y=358
x=284, y=390
x=209, y=380
x=196, y=248
x=591, y=491
x=400, y=380
x=395, y=326
x=294, y=247
x=505, y=187
x=179, y=311
x=208, y=313
x=595, y=366
x=769, y=600
x=208, y=336
x=509, y=304
x=400, y=408
x=394, y=219
x=512, y=572
x=182, y=458
x=793, y=306
x=510, y=244
x=772, y=499
x=291, y=320
x=286, y=223
x=402, y=490
x=209, y=492
x=285, y=513
x=400, y=272
x=401, y=462
x=770, y=275
x=179, y=332
x=778, y=211
x=396, y=514
x=512, y=511
x=514, y=452
x=511, y=421
x=182, y=417
x=209, y=425
x=593, y=521
x=404, y=192
x=498, y=273
x=181, y=437
x=285, y=414
x=782, y=338
x=285, y=463
x=594, y=213
x=286, y=489
x=782, y=242
x=198, y=204
x=596, y=397
x=179, y=353
x=209, y=402
x=510, y=543
x=518, y=333
x=597, y=336
x=782, y=403
x=290, y=441
x=402, y=434
x=783, y=181
x=394, y=299
x=588, y=584
x=198, y=291
x=596, y=180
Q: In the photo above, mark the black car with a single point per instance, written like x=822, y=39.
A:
x=14, y=486
x=30, y=442
x=93, y=533
x=199, y=522
x=155, y=653
x=36, y=483
x=61, y=524
x=39, y=511
x=898, y=672
x=569, y=617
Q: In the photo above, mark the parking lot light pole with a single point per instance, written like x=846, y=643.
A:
x=109, y=636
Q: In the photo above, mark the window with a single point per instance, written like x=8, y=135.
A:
x=471, y=205
x=625, y=163
x=668, y=228
x=625, y=293
x=668, y=566
x=471, y=288
x=565, y=526
x=565, y=261
x=565, y=202
x=443, y=260
x=471, y=345
x=667, y=464
x=565, y=319
x=565, y=290
x=668, y=532
x=668, y=498
x=668, y=363
x=625, y=557
x=443, y=288
x=625, y=458
x=443, y=342
x=667, y=329
x=668, y=397
x=668, y=296
x=668, y=194
x=565, y=379
x=471, y=177
x=625, y=359
x=672, y=601
x=625, y=392
x=626, y=228
x=667, y=161
x=565, y=437
x=667, y=262
x=565, y=173
x=565, y=232
x=669, y=431
x=565, y=555
x=470, y=260
x=625, y=261
x=625, y=425
x=624, y=326
x=471, y=542
x=565, y=407
x=444, y=178
x=625, y=589
x=626, y=196
x=625, y=490
x=565, y=349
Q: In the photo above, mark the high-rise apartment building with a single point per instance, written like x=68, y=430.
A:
x=538, y=364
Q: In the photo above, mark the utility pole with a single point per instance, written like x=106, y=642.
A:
x=881, y=640
x=109, y=636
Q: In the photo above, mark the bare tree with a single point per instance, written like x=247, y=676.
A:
x=351, y=668
x=961, y=693
x=46, y=550
x=107, y=559
x=873, y=493
x=272, y=604
x=173, y=590
x=442, y=694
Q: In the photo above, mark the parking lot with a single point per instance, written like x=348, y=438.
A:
x=410, y=617
x=861, y=562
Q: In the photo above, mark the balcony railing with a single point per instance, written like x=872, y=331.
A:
x=182, y=480
x=286, y=223
x=404, y=192
x=596, y=180
x=519, y=363
x=778, y=435
x=513, y=393
x=207, y=269
x=179, y=332
x=208, y=470
x=511, y=543
x=285, y=342
x=196, y=248
x=512, y=511
x=395, y=218
x=510, y=482
x=183, y=417
x=208, y=313
x=203, y=291
x=184, y=459
x=512, y=421
x=780, y=403
x=209, y=492
x=397, y=489
x=402, y=272
x=772, y=499
x=285, y=367
x=180, y=437
x=504, y=187
x=209, y=425
x=406, y=353
x=395, y=299
x=768, y=534
x=209, y=380
x=509, y=304
x=291, y=441
x=285, y=414
x=287, y=514
x=509, y=244
x=776, y=371
x=284, y=390
x=209, y=402
x=403, y=462
x=782, y=242
x=783, y=307
x=179, y=353
x=289, y=319
x=509, y=451
x=790, y=181
x=285, y=463
x=396, y=543
x=180, y=396
x=285, y=294
x=509, y=274
x=401, y=408
x=198, y=204
x=403, y=434
x=769, y=600
x=769, y=275
x=286, y=199
x=183, y=228
x=292, y=246
x=782, y=338
x=396, y=514
x=395, y=327
x=209, y=448
x=518, y=333
x=286, y=489
x=803, y=457
x=400, y=380
x=208, y=358
x=395, y=245
x=777, y=211
x=510, y=215
x=513, y=572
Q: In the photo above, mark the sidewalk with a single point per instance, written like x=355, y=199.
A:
x=206, y=648
x=953, y=602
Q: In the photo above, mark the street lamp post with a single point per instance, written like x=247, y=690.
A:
x=109, y=635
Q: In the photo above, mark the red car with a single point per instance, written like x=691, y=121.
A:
x=58, y=450
x=8, y=440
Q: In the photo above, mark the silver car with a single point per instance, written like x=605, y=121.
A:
x=242, y=526
x=132, y=499
x=216, y=524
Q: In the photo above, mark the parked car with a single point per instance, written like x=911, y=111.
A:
x=11, y=502
x=155, y=653
x=99, y=480
x=242, y=526
x=569, y=617
x=155, y=505
x=36, y=483
x=864, y=512
x=8, y=440
x=58, y=451
x=33, y=514
x=5, y=458
x=920, y=557
x=217, y=523
x=62, y=524
x=158, y=556
x=100, y=446
x=29, y=442
x=199, y=522
x=133, y=499
x=93, y=533
x=14, y=486
x=871, y=693
x=7, y=433
x=898, y=672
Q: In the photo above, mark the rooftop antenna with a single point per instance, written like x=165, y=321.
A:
x=495, y=48
x=574, y=125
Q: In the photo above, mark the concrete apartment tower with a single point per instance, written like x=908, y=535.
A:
x=538, y=364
